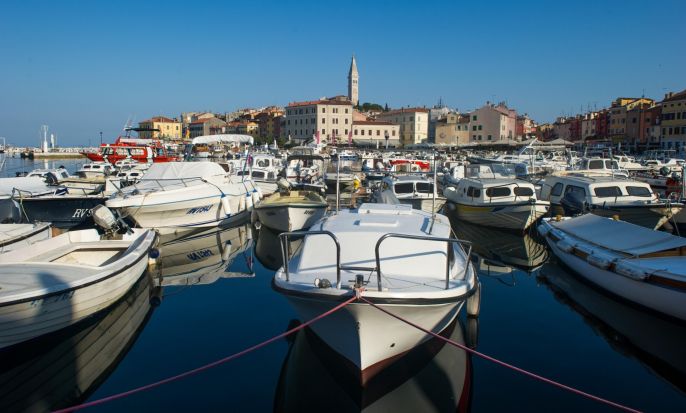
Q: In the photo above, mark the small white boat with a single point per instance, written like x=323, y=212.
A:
x=416, y=190
x=55, y=283
x=606, y=196
x=408, y=264
x=13, y=236
x=291, y=210
x=184, y=196
x=95, y=170
x=488, y=197
x=635, y=263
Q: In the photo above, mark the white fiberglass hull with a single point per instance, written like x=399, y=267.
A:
x=25, y=319
x=516, y=217
x=186, y=212
x=290, y=218
x=13, y=236
x=663, y=299
x=369, y=338
x=424, y=204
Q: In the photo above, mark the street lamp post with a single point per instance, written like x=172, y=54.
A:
x=100, y=138
x=385, y=136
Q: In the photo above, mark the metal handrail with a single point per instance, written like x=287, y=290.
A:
x=284, y=236
x=450, y=241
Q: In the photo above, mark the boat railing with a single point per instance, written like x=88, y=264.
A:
x=286, y=253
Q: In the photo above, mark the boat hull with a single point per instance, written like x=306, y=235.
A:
x=665, y=300
x=424, y=204
x=517, y=217
x=291, y=217
x=63, y=211
x=648, y=216
x=39, y=232
x=24, y=320
x=369, y=338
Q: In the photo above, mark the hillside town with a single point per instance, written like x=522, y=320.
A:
x=632, y=123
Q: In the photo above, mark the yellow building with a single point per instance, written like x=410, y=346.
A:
x=160, y=127
x=673, y=121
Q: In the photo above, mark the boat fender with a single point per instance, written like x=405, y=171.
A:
x=226, y=251
x=241, y=203
x=474, y=301
x=631, y=270
x=565, y=246
x=248, y=200
x=584, y=249
x=226, y=205
x=255, y=197
x=600, y=260
x=544, y=229
x=322, y=283
x=472, y=338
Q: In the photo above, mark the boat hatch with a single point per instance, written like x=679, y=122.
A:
x=386, y=209
x=386, y=222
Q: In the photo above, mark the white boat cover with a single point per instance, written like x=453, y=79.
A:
x=225, y=138
x=34, y=184
x=618, y=236
x=178, y=170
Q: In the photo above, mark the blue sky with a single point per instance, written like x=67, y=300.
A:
x=82, y=67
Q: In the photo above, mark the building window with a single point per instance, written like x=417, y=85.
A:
x=355, y=132
x=323, y=131
x=323, y=120
x=474, y=117
x=474, y=128
x=481, y=127
x=393, y=132
x=346, y=121
x=323, y=110
x=362, y=132
x=378, y=132
x=346, y=111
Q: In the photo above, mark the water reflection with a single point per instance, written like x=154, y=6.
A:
x=64, y=369
x=268, y=248
x=203, y=257
x=524, y=252
x=433, y=377
x=656, y=342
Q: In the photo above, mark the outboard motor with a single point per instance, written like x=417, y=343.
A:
x=110, y=222
x=574, y=203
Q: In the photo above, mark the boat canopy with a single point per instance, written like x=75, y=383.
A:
x=225, y=138
x=181, y=170
x=619, y=236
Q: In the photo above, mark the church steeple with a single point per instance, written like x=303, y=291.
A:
x=353, y=85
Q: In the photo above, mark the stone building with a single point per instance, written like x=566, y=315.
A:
x=353, y=83
x=453, y=130
x=493, y=124
x=332, y=117
x=413, y=124
x=369, y=132
x=160, y=127
x=673, y=121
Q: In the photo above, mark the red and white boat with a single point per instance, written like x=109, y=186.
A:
x=141, y=150
x=410, y=165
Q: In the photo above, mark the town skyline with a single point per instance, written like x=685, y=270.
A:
x=550, y=70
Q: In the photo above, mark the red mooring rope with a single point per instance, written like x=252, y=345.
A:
x=506, y=365
x=206, y=366
x=319, y=317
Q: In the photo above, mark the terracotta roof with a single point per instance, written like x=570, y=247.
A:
x=404, y=110
x=372, y=122
x=320, y=102
x=677, y=96
x=199, y=121
x=158, y=119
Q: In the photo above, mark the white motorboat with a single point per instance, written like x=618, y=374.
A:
x=305, y=172
x=95, y=170
x=607, y=196
x=264, y=171
x=407, y=264
x=635, y=263
x=416, y=190
x=55, y=283
x=13, y=236
x=487, y=196
x=182, y=196
x=291, y=210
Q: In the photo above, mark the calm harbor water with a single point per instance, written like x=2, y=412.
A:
x=212, y=297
